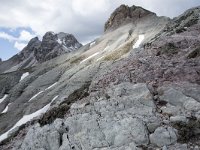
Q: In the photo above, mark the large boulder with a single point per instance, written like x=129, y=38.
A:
x=163, y=136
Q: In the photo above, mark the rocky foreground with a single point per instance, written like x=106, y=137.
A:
x=136, y=87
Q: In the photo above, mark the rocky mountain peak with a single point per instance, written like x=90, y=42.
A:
x=125, y=14
x=54, y=45
x=36, y=51
x=33, y=41
x=32, y=45
x=49, y=36
x=68, y=40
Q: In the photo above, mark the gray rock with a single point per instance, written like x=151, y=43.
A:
x=170, y=110
x=65, y=143
x=178, y=119
x=152, y=126
x=164, y=147
x=163, y=136
x=192, y=105
x=174, y=97
x=41, y=138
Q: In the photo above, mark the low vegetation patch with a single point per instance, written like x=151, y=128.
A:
x=187, y=131
x=76, y=59
x=168, y=49
x=119, y=52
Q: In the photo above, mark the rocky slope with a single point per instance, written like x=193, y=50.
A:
x=136, y=87
x=51, y=46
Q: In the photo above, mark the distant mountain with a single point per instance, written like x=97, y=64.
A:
x=51, y=46
x=136, y=87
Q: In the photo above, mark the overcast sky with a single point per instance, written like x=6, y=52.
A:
x=20, y=20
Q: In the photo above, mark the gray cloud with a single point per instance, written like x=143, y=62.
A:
x=83, y=18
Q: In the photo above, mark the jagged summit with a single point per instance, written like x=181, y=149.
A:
x=51, y=44
x=125, y=14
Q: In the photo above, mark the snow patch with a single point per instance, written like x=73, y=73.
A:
x=78, y=106
x=6, y=109
x=59, y=41
x=91, y=44
x=36, y=95
x=24, y=76
x=89, y=57
x=100, y=58
x=106, y=49
x=51, y=86
x=2, y=99
x=27, y=118
x=139, y=41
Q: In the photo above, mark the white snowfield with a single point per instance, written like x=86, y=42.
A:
x=89, y=57
x=139, y=41
x=28, y=118
x=6, y=109
x=24, y=76
x=2, y=99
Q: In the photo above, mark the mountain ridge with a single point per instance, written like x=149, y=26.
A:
x=140, y=78
x=51, y=46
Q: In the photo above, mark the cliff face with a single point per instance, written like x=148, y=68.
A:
x=136, y=87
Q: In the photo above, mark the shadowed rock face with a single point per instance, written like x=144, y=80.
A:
x=125, y=14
